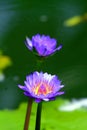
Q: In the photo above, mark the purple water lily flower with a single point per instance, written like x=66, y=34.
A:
x=42, y=86
x=43, y=45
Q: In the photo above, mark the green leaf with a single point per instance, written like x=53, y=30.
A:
x=52, y=118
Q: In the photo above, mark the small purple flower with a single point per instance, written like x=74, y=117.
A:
x=42, y=86
x=43, y=45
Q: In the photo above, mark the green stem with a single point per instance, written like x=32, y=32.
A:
x=39, y=64
x=27, y=118
x=38, y=116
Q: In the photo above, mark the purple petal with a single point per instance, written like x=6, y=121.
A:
x=29, y=79
x=61, y=86
x=59, y=47
x=28, y=43
x=37, y=100
x=28, y=86
x=41, y=50
x=59, y=93
x=53, y=98
x=27, y=94
x=22, y=87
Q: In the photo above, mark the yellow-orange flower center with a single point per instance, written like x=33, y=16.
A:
x=42, y=89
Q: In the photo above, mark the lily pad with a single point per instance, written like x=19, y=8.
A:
x=52, y=117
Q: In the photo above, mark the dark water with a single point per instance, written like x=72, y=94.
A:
x=19, y=19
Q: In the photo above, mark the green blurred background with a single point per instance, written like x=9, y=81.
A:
x=21, y=18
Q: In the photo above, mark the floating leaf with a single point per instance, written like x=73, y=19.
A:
x=52, y=118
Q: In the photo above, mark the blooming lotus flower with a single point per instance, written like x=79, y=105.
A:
x=42, y=86
x=43, y=45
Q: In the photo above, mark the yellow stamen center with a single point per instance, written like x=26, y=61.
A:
x=42, y=89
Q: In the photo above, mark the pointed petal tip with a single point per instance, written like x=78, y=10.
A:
x=20, y=86
x=62, y=86
x=60, y=47
x=28, y=43
x=60, y=93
